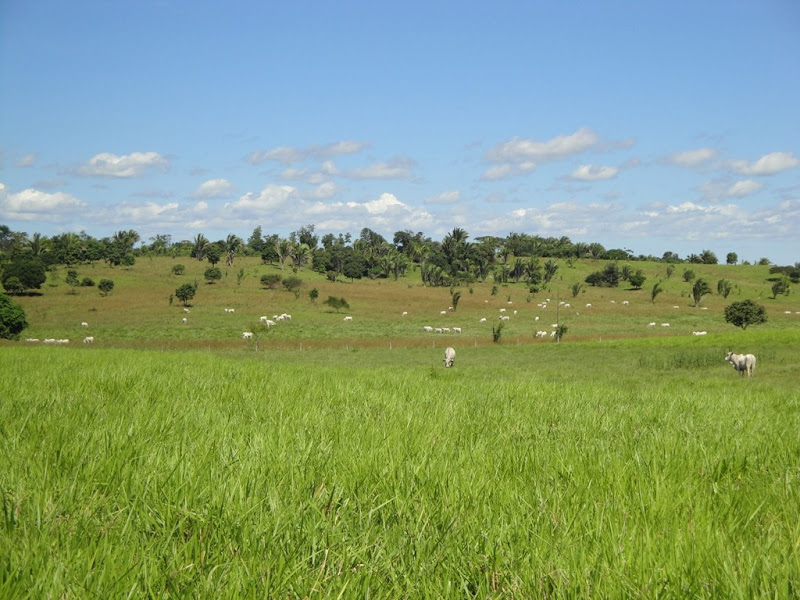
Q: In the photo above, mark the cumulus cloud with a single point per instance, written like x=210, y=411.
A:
x=769, y=164
x=271, y=198
x=214, y=188
x=294, y=154
x=32, y=204
x=594, y=173
x=692, y=158
x=447, y=197
x=126, y=166
x=744, y=188
x=517, y=150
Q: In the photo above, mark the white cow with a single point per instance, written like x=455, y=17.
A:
x=229, y=310
x=449, y=357
x=348, y=319
x=405, y=313
x=456, y=329
x=427, y=329
x=742, y=363
x=247, y=335
x=483, y=320
x=184, y=320
x=89, y=339
x=32, y=340
x=84, y=324
x=651, y=324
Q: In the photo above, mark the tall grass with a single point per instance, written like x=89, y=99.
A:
x=558, y=471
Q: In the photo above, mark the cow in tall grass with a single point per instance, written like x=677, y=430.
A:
x=449, y=357
x=742, y=363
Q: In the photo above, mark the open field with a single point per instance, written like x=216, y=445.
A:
x=138, y=312
x=341, y=460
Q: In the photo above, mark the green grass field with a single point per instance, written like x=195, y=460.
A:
x=341, y=460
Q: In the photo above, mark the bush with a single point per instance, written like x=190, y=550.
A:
x=637, y=279
x=30, y=273
x=105, y=287
x=185, y=293
x=212, y=274
x=270, y=281
x=87, y=282
x=12, y=318
x=13, y=286
x=178, y=269
x=336, y=303
x=745, y=313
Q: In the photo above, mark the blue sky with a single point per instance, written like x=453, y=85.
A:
x=655, y=126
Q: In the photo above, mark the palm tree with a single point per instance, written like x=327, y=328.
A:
x=284, y=249
x=232, y=244
x=700, y=289
x=199, y=246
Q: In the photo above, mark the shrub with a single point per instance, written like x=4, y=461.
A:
x=105, y=286
x=87, y=282
x=270, y=281
x=30, y=273
x=744, y=313
x=178, y=269
x=12, y=318
x=212, y=274
x=185, y=293
x=336, y=303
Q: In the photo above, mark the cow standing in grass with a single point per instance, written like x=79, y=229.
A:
x=742, y=363
x=449, y=357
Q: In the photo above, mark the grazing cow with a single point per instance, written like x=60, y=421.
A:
x=405, y=313
x=483, y=320
x=88, y=339
x=742, y=363
x=651, y=324
x=348, y=319
x=699, y=333
x=442, y=312
x=84, y=324
x=665, y=324
x=229, y=310
x=186, y=310
x=32, y=339
x=456, y=329
x=247, y=335
x=184, y=320
x=427, y=329
x=449, y=357
x=445, y=330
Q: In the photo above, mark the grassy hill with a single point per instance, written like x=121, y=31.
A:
x=138, y=311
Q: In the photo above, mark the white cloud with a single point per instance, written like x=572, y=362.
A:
x=692, y=158
x=594, y=173
x=769, y=164
x=32, y=204
x=130, y=165
x=142, y=213
x=27, y=160
x=744, y=188
x=508, y=170
x=447, y=197
x=271, y=198
x=214, y=188
x=397, y=168
x=292, y=154
x=519, y=150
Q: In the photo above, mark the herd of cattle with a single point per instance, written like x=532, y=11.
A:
x=742, y=363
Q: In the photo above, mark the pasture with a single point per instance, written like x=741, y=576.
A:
x=341, y=460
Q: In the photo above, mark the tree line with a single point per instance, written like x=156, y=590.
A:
x=453, y=260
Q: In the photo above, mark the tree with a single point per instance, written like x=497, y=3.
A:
x=336, y=303
x=700, y=289
x=292, y=284
x=688, y=275
x=12, y=318
x=185, y=293
x=270, y=280
x=780, y=287
x=213, y=253
x=576, y=289
x=178, y=269
x=732, y=258
x=212, y=274
x=455, y=298
x=744, y=313
x=708, y=257
x=657, y=289
x=608, y=277
x=72, y=280
x=199, y=247
x=724, y=287
x=30, y=273
x=637, y=279
x=561, y=330
x=232, y=244
x=105, y=286
x=313, y=294
x=13, y=286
